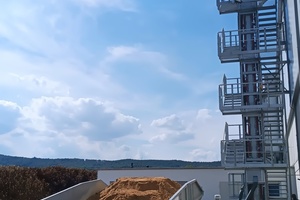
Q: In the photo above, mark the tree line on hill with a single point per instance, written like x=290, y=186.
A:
x=102, y=164
x=37, y=183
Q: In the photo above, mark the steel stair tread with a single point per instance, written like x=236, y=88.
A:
x=267, y=19
x=266, y=13
x=267, y=8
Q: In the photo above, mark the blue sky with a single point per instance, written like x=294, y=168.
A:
x=111, y=79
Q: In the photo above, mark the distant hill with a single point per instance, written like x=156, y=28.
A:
x=101, y=164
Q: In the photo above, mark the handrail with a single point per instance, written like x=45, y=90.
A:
x=233, y=135
x=81, y=191
x=189, y=191
x=231, y=38
x=226, y=132
x=231, y=152
x=233, y=96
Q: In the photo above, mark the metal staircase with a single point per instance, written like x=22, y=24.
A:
x=234, y=152
x=267, y=21
x=258, y=145
x=277, y=184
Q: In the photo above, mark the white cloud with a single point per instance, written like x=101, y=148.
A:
x=36, y=30
x=121, y=51
x=136, y=54
x=41, y=84
x=172, y=137
x=9, y=104
x=191, y=135
x=10, y=113
x=171, y=129
x=87, y=117
x=203, y=114
x=204, y=154
x=171, y=122
x=54, y=124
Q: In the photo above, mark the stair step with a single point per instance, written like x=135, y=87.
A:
x=230, y=101
x=236, y=97
x=273, y=125
x=254, y=159
x=267, y=24
x=270, y=126
x=232, y=146
x=233, y=157
x=270, y=73
x=267, y=39
x=233, y=154
x=241, y=159
x=269, y=57
x=269, y=79
x=233, y=97
x=267, y=8
x=270, y=68
x=268, y=121
x=267, y=19
x=269, y=30
x=268, y=45
x=267, y=13
x=267, y=35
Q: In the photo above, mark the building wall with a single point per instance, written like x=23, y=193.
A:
x=213, y=181
x=291, y=22
x=293, y=42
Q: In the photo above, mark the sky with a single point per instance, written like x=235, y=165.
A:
x=112, y=79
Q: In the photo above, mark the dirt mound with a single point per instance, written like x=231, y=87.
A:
x=140, y=188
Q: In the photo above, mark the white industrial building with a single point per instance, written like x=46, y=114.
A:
x=212, y=180
x=292, y=26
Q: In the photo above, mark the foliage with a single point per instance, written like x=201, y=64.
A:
x=34, y=183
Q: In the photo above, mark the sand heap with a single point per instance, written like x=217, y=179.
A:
x=140, y=188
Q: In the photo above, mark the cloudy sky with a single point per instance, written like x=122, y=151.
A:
x=111, y=79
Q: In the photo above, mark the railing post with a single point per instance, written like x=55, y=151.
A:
x=240, y=134
x=230, y=38
x=226, y=132
x=265, y=38
x=223, y=37
x=221, y=98
x=225, y=83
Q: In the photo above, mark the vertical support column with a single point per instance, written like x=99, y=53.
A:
x=247, y=23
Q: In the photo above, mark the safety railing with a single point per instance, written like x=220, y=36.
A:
x=242, y=97
x=268, y=152
x=233, y=132
x=234, y=45
x=189, y=191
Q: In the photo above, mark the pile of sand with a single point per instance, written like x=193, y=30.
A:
x=144, y=188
